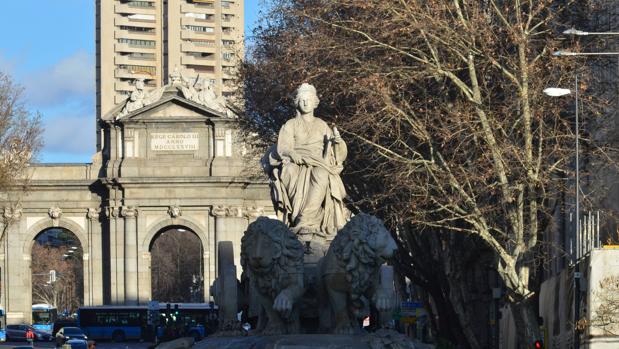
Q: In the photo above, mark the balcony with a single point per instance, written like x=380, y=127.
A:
x=125, y=34
x=125, y=8
x=121, y=47
x=128, y=60
x=118, y=21
x=198, y=21
x=190, y=34
x=208, y=8
x=123, y=86
x=190, y=60
x=193, y=47
x=128, y=74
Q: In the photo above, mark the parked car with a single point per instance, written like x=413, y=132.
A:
x=18, y=333
x=60, y=323
x=66, y=334
x=77, y=343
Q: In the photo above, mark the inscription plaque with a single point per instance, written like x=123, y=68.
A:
x=174, y=141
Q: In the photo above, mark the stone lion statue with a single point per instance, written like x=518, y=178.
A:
x=272, y=259
x=350, y=271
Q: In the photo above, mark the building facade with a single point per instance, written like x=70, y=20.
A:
x=148, y=39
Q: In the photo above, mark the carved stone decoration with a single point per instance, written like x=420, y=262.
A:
x=174, y=211
x=254, y=212
x=309, y=156
x=272, y=257
x=128, y=211
x=351, y=271
x=203, y=93
x=11, y=214
x=220, y=211
x=93, y=213
x=111, y=212
x=139, y=98
x=54, y=212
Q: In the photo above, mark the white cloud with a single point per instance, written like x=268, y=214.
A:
x=69, y=79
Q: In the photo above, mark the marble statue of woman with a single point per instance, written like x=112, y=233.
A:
x=305, y=168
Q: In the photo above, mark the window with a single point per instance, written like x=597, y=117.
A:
x=141, y=17
x=139, y=3
x=227, y=30
x=140, y=55
x=226, y=4
x=201, y=55
x=199, y=29
x=138, y=43
x=202, y=16
x=227, y=42
x=139, y=69
x=137, y=29
x=201, y=68
x=227, y=17
x=198, y=42
x=227, y=56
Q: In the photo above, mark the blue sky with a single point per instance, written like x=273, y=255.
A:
x=53, y=58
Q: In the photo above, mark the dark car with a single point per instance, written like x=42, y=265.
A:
x=66, y=334
x=60, y=323
x=18, y=333
x=77, y=343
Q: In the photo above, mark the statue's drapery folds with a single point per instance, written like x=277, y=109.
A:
x=305, y=168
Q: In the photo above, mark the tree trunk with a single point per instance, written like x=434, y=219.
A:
x=527, y=323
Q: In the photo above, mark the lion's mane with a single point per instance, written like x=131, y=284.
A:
x=355, y=249
x=287, y=260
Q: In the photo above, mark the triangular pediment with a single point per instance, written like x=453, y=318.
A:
x=171, y=107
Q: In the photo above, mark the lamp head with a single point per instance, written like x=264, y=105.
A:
x=557, y=92
x=573, y=31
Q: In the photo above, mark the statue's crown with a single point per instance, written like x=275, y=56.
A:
x=305, y=87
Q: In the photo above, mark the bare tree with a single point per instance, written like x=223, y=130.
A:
x=442, y=102
x=66, y=292
x=605, y=316
x=175, y=268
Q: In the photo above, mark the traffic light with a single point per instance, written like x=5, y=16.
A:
x=538, y=344
x=175, y=309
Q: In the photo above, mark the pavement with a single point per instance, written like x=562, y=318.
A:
x=100, y=345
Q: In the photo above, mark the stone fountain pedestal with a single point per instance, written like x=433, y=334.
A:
x=382, y=339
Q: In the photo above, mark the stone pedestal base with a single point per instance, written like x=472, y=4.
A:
x=379, y=340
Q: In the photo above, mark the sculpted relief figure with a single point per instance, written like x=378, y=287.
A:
x=139, y=98
x=305, y=168
x=202, y=93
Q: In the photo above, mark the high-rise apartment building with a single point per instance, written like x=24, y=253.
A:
x=147, y=39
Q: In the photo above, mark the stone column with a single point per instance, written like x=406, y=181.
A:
x=95, y=258
x=219, y=213
x=16, y=283
x=131, y=255
x=230, y=223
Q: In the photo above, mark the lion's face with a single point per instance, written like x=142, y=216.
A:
x=262, y=255
x=383, y=244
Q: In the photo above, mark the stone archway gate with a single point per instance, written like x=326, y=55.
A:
x=172, y=162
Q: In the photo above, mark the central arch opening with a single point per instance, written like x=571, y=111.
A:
x=177, y=266
x=57, y=268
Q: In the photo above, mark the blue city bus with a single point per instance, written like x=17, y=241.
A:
x=114, y=322
x=119, y=323
x=43, y=317
x=2, y=325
